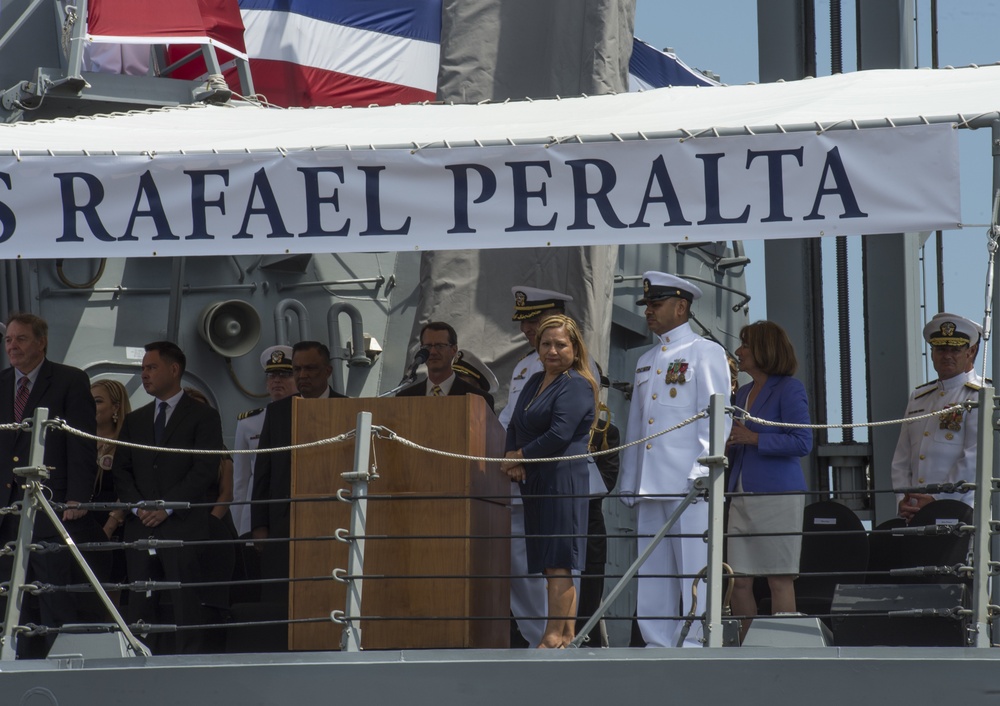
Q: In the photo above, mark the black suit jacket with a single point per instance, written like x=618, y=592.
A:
x=142, y=474
x=458, y=387
x=65, y=391
x=272, y=473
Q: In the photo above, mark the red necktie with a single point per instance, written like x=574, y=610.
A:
x=21, y=399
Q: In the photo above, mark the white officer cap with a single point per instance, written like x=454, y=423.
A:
x=952, y=330
x=467, y=363
x=660, y=285
x=276, y=359
x=530, y=302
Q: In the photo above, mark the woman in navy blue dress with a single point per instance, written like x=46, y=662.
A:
x=553, y=417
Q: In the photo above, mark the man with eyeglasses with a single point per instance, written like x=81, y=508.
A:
x=277, y=364
x=441, y=343
x=940, y=449
x=311, y=371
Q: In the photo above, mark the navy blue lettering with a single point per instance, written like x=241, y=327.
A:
x=8, y=221
x=600, y=197
x=269, y=208
x=374, y=206
x=460, y=174
x=522, y=194
x=775, y=180
x=835, y=166
x=147, y=188
x=713, y=209
x=199, y=204
x=668, y=197
x=88, y=210
x=314, y=220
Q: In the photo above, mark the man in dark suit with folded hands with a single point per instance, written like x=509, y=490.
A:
x=31, y=382
x=172, y=420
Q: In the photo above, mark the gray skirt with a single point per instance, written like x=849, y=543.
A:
x=765, y=556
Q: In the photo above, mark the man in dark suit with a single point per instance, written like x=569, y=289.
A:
x=31, y=382
x=173, y=420
x=273, y=471
x=441, y=342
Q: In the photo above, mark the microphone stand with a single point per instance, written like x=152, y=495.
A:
x=419, y=359
x=405, y=382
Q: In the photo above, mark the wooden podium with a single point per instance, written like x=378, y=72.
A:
x=455, y=511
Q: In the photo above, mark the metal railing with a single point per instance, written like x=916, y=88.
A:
x=979, y=568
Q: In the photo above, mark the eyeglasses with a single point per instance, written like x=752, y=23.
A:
x=274, y=374
x=437, y=346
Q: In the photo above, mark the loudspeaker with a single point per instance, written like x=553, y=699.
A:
x=917, y=615
x=231, y=328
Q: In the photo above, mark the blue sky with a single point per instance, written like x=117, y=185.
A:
x=720, y=35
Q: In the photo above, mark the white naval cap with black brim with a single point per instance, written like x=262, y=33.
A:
x=660, y=285
x=952, y=330
x=530, y=302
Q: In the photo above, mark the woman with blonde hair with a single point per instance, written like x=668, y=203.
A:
x=112, y=403
x=553, y=418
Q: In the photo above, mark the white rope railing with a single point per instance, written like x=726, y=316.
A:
x=744, y=415
x=393, y=436
x=382, y=432
x=58, y=423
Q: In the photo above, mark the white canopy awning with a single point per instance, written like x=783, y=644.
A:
x=597, y=170
x=862, y=99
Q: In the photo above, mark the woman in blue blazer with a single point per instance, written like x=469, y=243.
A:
x=765, y=459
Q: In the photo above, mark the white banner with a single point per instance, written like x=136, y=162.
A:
x=657, y=191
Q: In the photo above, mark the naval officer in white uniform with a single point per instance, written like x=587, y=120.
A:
x=674, y=380
x=277, y=364
x=528, y=597
x=941, y=449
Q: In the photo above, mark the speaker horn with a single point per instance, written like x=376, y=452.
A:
x=231, y=328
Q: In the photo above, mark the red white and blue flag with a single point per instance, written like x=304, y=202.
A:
x=343, y=52
x=651, y=68
x=327, y=52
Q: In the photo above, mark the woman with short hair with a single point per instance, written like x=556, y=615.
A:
x=765, y=459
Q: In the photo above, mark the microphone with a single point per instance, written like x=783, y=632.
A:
x=419, y=359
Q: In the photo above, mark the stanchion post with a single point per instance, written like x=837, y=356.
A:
x=39, y=500
x=32, y=473
x=983, y=512
x=350, y=641
x=716, y=463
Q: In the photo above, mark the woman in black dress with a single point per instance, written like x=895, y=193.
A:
x=553, y=418
x=112, y=404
